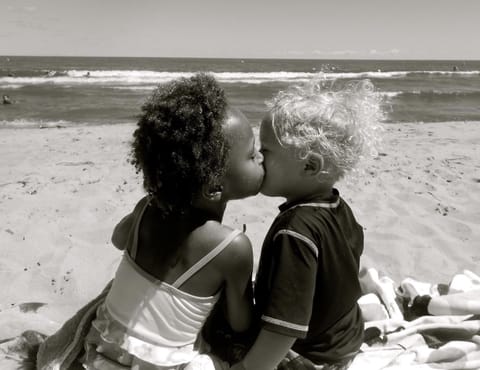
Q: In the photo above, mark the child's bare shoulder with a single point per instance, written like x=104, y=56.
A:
x=238, y=251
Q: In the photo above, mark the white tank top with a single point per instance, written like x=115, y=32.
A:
x=156, y=312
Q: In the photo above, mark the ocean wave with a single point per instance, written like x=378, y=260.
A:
x=135, y=77
x=254, y=76
x=390, y=94
x=120, y=78
x=435, y=92
x=26, y=123
x=455, y=73
x=135, y=87
x=11, y=87
x=138, y=78
x=432, y=93
x=46, y=124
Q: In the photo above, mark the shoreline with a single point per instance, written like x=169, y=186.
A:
x=62, y=192
x=52, y=125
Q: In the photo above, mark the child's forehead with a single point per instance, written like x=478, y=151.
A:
x=267, y=132
x=237, y=127
x=267, y=119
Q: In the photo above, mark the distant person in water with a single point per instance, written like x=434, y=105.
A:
x=6, y=100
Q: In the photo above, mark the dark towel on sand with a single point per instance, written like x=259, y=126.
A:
x=60, y=350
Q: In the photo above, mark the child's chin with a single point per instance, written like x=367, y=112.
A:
x=267, y=192
x=248, y=194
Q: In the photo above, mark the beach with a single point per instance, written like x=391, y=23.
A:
x=62, y=190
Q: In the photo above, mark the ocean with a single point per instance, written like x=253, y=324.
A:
x=65, y=91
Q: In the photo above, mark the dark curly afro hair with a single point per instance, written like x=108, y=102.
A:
x=179, y=144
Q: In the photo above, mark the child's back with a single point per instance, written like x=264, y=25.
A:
x=166, y=248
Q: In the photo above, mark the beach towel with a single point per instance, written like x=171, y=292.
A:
x=420, y=325
x=23, y=327
x=20, y=352
x=60, y=350
x=33, y=349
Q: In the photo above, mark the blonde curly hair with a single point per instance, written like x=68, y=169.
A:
x=338, y=121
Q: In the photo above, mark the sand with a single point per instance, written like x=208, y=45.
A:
x=62, y=190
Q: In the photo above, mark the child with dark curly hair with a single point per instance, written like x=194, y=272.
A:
x=196, y=153
x=307, y=286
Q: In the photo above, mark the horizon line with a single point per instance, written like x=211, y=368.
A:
x=233, y=58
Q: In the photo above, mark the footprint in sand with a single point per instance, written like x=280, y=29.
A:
x=400, y=209
x=30, y=306
x=458, y=229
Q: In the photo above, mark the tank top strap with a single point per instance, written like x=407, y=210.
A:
x=133, y=251
x=205, y=259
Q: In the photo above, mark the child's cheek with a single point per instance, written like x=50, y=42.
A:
x=272, y=166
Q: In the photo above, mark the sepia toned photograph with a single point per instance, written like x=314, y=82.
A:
x=254, y=185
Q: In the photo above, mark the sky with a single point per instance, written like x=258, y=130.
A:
x=306, y=29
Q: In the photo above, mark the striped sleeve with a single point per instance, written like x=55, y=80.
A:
x=289, y=305
x=308, y=242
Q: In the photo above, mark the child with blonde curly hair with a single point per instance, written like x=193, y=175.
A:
x=307, y=285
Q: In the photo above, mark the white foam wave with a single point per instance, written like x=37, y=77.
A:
x=119, y=78
x=245, y=77
x=25, y=123
x=11, y=86
x=377, y=74
x=467, y=73
x=44, y=124
x=390, y=94
x=135, y=88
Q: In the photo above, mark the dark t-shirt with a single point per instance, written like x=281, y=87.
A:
x=307, y=282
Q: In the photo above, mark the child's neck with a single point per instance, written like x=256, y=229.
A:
x=211, y=210
x=323, y=192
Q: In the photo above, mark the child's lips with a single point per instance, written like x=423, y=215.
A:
x=264, y=175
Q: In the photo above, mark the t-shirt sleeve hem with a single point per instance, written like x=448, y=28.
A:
x=284, y=328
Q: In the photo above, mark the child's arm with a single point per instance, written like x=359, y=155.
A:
x=268, y=350
x=238, y=285
x=121, y=232
x=296, y=266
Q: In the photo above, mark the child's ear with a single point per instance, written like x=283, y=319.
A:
x=212, y=193
x=314, y=164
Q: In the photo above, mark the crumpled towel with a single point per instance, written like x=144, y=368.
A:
x=446, y=336
x=59, y=351
x=19, y=353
